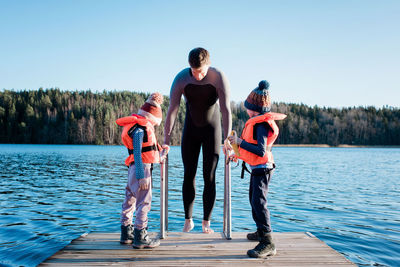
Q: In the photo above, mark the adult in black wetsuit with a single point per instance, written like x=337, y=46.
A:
x=206, y=93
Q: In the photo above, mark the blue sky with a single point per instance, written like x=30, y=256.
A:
x=327, y=53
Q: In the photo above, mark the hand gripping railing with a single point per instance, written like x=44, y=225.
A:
x=227, y=224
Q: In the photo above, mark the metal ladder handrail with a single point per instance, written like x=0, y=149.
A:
x=227, y=227
x=164, y=198
x=227, y=222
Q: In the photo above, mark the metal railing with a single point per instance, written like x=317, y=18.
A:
x=227, y=223
x=227, y=227
x=164, y=198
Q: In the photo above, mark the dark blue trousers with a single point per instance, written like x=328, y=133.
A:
x=258, y=192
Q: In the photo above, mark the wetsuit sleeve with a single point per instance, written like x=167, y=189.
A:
x=137, y=137
x=175, y=100
x=261, y=147
x=224, y=96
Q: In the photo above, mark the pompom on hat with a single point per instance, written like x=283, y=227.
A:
x=151, y=109
x=259, y=99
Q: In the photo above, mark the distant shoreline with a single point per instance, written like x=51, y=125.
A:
x=277, y=145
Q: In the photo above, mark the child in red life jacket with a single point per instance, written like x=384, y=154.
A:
x=258, y=136
x=139, y=137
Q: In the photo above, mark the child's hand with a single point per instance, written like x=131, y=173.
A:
x=231, y=156
x=233, y=139
x=235, y=143
x=144, y=183
x=164, y=152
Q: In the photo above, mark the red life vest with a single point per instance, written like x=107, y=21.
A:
x=249, y=136
x=150, y=147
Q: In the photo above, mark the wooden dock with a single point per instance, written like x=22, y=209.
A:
x=196, y=249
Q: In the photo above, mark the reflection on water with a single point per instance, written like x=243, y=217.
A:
x=348, y=197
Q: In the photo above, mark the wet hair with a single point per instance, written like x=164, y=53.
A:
x=198, y=57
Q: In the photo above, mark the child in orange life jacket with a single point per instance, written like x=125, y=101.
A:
x=139, y=137
x=258, y=136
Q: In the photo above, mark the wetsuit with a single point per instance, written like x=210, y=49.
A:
x=202, y=129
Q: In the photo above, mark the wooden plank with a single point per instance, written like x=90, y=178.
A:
x=196, y=249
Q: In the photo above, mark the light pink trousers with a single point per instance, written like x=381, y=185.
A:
x=136, y=199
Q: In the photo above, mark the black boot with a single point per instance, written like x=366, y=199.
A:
x=253, y=236
x=126, y=234
x=265, y=248
x=142, y=240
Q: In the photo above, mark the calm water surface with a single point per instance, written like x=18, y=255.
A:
x=348, y=197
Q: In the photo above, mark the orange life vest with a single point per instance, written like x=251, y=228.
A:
x=249, y=136
x=150, y=147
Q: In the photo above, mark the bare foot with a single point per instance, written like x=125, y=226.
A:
x=188, y=225
x=207, y=228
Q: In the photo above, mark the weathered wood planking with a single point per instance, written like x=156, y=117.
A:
x=196, y=249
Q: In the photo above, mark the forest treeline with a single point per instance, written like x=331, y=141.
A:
x=53, y=116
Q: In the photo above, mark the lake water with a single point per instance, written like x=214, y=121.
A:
x=347, y=197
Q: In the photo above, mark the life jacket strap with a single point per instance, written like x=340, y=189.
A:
x=149, y=148
x=244, y=168
x=270, y=167
x=145, y=149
